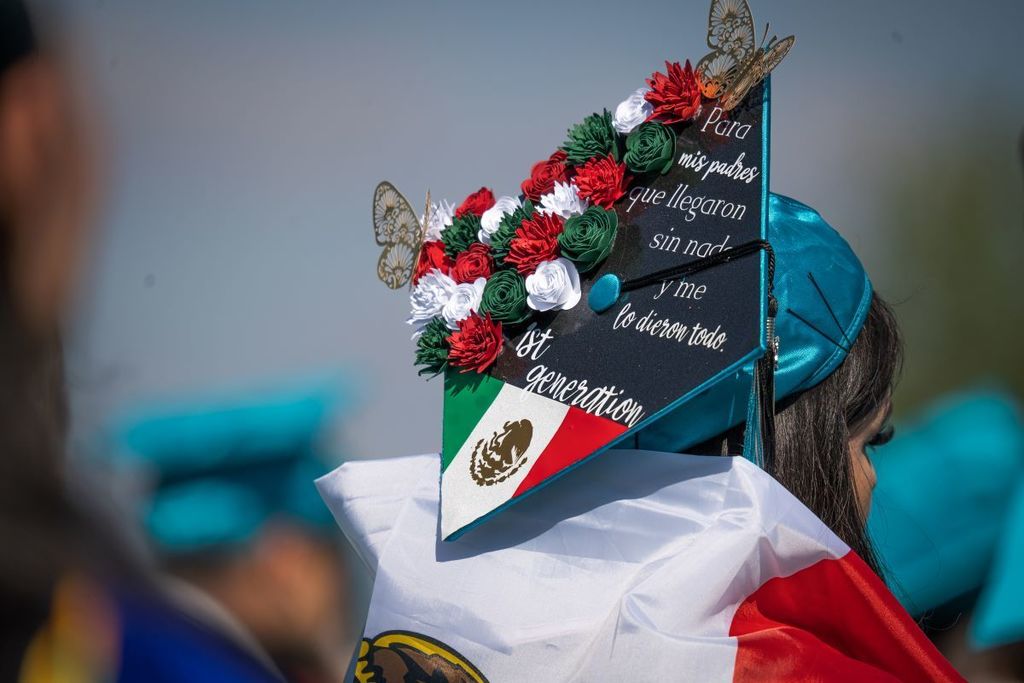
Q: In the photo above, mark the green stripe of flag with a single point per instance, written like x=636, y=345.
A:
x=467, y=396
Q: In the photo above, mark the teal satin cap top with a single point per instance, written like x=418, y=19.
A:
x=823, y=295
x=960, y=526
x=220, y=467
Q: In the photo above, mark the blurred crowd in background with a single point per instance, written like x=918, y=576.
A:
x=185, y=201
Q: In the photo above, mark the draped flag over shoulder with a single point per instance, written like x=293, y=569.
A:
x=640, y=566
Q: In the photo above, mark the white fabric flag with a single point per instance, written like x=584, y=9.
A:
x=640, y=566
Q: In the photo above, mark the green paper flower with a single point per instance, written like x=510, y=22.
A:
x=651, y=147
x=460, y=234
x=504, y=297
x=507, y=230
x=587, y=239
x=432, y=348
x=593, y=138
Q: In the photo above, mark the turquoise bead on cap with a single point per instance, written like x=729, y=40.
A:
x=604, y=293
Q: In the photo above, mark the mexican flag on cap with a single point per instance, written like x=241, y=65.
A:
x=501, y=441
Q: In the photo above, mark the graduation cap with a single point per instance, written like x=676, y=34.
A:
x=964, y=454
x=218, y=468
x=626, y=296
x=643, y=339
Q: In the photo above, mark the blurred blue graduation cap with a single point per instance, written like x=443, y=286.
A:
x=999, y=615
x=220, y=467
x=948, y=511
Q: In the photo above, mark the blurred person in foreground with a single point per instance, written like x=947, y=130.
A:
x=77, y=606
x=226, y=496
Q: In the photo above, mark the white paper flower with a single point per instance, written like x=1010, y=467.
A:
x=563, y=200
x=554, y=285
x=491, y=219
x=464, y=300
x=441, y=216
x=632, y=111
x=429, y=297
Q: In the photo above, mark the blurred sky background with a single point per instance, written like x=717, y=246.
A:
x=244, y=140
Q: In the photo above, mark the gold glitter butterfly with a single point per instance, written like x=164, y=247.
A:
x=399, y=231
x=735, y=64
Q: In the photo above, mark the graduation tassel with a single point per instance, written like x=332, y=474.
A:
x=759, y=436
x=764, y=386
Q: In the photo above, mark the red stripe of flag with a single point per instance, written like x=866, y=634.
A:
x=833, y=621
x=579, y=435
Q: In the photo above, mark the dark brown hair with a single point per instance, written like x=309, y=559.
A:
x=812, y=457
x=813, y=429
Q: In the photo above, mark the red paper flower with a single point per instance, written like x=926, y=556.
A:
x=602, y=181
x=476, y=344
x=676, y=97
x=476, y=203
x=431, y=256
x=475, y=262
x=543, y=176
x=535, y=241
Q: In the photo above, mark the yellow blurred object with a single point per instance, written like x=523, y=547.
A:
x=79, y=643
